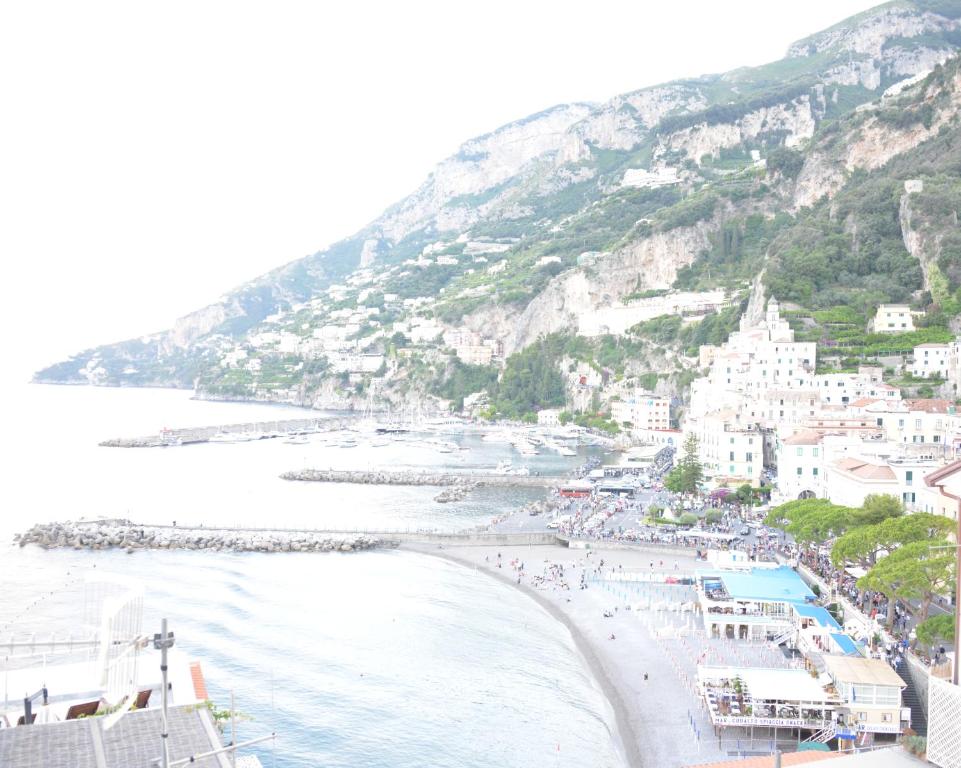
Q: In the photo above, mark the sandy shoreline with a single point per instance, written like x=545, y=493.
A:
x=625, y=738
x=647, y=719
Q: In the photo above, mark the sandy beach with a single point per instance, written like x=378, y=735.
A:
x=653, y=715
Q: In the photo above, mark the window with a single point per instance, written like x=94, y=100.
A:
x=814, y=471
x=749, y=457
x=885, y=717
x=908, y=477
x=814, y=452
x=937, y=438
x=799, y=471
x=800, y=451
x=862, y=716
x=731, y=457
x=731, y=470
x=901, y=423
x=917, y=423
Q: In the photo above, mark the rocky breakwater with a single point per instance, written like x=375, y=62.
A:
x=409, y=477
x=456, y=492
x=374, y=477
x=127, y=535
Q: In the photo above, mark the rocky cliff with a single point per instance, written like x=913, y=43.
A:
x=543, y=225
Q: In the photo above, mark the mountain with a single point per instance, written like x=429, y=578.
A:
x=614, y=238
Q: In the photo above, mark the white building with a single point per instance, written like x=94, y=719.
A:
x=475, y=354
x=460, y=337
x=850, y=480
x=347, y=362
x=931, y=360
x=800, y=465
x=893, y=318
x=549, y=417
x=940, y=492
x=643, y=412
x=730, y=453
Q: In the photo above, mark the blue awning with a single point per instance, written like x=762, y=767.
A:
x=767, y=585
x=819, y=614
x=846, y=644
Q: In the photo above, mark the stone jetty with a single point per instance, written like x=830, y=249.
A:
x=456, y=492
x=260, y=430
x=387, y=477
x=130, y=536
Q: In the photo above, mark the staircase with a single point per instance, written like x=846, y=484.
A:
x=823, y=736
x=783, y=637
x=910, y=698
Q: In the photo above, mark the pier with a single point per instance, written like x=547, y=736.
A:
x=384, y=477
x=251, y=430
x=132, y=536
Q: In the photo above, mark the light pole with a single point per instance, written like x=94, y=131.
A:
x=163, y=642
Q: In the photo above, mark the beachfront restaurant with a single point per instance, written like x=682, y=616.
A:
x=871, y=694
x=755, y=604
x=817, y=631
x=767, y=699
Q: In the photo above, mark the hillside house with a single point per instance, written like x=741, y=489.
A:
x=931, y=360
x=894, y=318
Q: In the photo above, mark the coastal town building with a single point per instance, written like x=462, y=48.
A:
x=837, y=694
x=800, y=464
x=870, y=692
x=549, y=417
x=940, y=492
x=730, y=452
x=642, y=411
x=750, y=604
x=663, y=438
x=475, y=354
x=894, y=318
x=931, y=360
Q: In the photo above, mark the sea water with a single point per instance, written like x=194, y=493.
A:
x=383, y=658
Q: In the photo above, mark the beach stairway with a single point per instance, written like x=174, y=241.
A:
x=783, y=637
x=910, y=698
x=824, y=735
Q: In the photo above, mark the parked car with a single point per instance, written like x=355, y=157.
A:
x=745, y=531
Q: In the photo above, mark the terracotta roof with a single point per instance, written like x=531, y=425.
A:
x=767, y=761
x=938, y=475
x=874, y=472
x=863, y=401
x=805, y=437
x=865, y=470
x=848, y=463
x=928, y=406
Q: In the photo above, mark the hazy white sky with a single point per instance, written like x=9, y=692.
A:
x=155, y=155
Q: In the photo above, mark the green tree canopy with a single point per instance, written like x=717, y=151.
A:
x=878, y=507
x=687, y=475
x=863, y=545
x=916, y=571
x=812, y=521
x=938, y=628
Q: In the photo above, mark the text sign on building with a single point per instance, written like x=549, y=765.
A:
x=771, y=722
